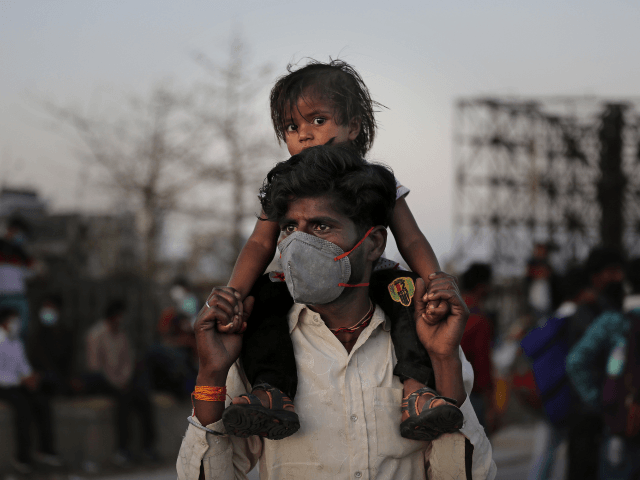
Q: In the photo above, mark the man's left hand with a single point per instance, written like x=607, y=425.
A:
x=441, y=338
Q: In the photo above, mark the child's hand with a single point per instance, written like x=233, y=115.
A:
x=233, y=321
x=436, y=310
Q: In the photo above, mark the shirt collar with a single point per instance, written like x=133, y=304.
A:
x=631, y=302
x=300, y=313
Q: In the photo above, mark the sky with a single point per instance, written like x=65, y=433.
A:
x=416, y=57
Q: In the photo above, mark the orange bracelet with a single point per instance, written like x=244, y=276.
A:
x=210, y=394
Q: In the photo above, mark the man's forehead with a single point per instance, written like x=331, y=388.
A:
x=313, y=207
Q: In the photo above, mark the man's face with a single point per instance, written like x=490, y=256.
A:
x=313, y=122
x=316, y=216
x=606, y=276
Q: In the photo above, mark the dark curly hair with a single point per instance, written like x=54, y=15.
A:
x=336, y=82
x=362, y=191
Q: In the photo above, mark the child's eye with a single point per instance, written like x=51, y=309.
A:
x=319, y=121
x=290, y=128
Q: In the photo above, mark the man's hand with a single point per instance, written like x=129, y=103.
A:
x=217, y=350
x=441, y=337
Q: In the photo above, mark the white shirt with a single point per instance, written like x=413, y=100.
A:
x=14, y=365
x=349, y=406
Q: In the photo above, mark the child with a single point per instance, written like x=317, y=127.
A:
x=316, y=105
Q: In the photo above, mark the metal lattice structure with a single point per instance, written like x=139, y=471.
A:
x=563, y=171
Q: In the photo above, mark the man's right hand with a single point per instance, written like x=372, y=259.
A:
x=218, y=350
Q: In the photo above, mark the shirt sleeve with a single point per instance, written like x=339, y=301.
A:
x=482, y=464
x=401, y=190
x=223, y=457
x=589, y=349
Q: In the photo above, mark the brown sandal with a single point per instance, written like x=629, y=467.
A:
x=431, y=422
x=274, y=423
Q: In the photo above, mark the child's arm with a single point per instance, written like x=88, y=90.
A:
x=412, y=244
x=255, y=256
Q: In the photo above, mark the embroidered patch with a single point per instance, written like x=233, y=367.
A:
x=402, y=290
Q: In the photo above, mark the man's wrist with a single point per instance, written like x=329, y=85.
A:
x=211, y=379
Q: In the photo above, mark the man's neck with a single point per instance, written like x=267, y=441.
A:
x=347, y=310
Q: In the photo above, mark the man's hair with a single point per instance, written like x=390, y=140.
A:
x=336, y=82
x=6, y=313
x=601, y=258
x=19, y=223
x=476, y=274
x=362, y=191
x=632, y=274
x=115, y=307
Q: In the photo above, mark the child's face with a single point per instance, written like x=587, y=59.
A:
x=313, y=123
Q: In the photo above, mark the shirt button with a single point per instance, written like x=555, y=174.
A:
x=358, y=474
x=354, y=418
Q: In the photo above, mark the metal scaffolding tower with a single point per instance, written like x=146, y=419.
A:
x=563, y=171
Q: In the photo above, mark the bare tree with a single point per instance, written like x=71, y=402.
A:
x=158, y=150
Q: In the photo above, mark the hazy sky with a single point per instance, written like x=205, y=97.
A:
x=416, y=58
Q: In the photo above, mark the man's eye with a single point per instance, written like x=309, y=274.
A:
x=289, y=228
x=319, y=121
x=322, y=227
x=291, y=128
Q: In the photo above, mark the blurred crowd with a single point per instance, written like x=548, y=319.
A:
x=40, y=361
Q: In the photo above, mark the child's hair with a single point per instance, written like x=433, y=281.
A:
x=336, y=82
x=364, y=192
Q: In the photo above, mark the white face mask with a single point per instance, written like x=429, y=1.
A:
x=49, y=316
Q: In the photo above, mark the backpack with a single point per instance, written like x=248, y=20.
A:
x=548, y=347
x=621, y=393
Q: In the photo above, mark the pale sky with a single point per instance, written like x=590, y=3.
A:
x=415, y=57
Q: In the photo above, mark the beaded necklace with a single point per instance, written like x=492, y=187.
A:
x=364, y=322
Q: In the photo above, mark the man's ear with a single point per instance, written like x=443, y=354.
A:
x=378, y=237
x=354, y=128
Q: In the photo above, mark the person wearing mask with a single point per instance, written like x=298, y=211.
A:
x=111, y=371
x=50, y=348
x=19, y=388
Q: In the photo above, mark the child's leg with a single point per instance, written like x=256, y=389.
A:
x=269, y=363
x=425, y=414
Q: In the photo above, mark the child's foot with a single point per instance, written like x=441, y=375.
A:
x=427, y=415
x=266, y=412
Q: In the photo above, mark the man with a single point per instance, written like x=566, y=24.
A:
x=19, y=388
x=111, y=371
x=51, y=349
x=606, y=347
x=348, y=399
x=476, y=341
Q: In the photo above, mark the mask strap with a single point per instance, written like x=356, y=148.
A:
x=340, y=257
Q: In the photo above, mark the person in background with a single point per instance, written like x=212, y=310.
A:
x=16, y=266
x=541, y=283
x=19, y=388
x=50, y=348
x=604, y=269
x=110, y=371
x=173, y=360
x=476, y=341
x=606, y=346
x=575, y=291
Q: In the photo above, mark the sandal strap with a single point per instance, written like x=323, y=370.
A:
x=251, y=398
x=410, y=402
x=277, y=399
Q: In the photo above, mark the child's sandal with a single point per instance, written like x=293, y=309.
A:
x=274, y=423
x=429, y=423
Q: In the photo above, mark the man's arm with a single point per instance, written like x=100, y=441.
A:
x=451, y=369
x=222, y=457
